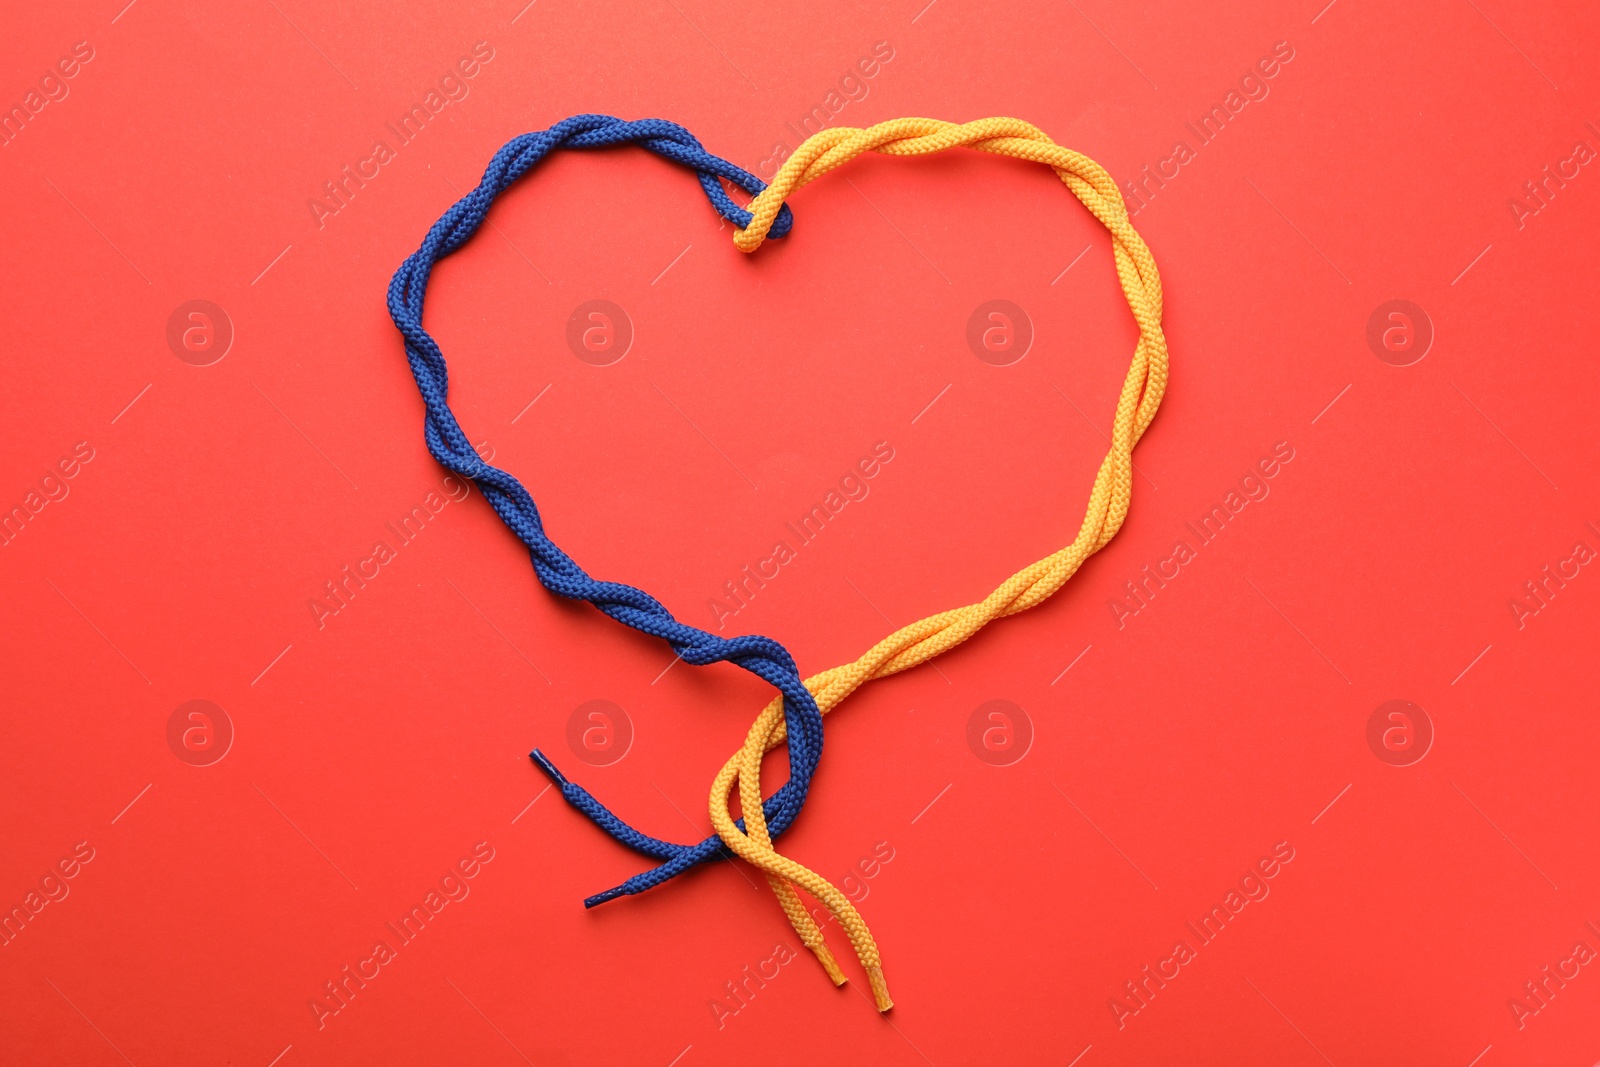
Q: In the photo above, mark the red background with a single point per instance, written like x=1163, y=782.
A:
x=1227, y=715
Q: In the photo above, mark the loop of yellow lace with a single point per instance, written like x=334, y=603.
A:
x=921, y=641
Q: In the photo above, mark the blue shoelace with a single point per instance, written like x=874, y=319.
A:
x=761, y=656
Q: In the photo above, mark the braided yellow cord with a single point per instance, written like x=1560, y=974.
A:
x=921, y=641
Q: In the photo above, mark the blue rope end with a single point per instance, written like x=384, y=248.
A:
x=601, y=898
x=544, y=764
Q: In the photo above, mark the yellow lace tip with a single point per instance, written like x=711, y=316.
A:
x=880, y=989
x=829, y=964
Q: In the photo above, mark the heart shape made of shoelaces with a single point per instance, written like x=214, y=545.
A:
x=794, y=716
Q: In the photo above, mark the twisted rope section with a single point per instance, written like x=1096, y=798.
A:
x=558, y=572
x=1108, y=499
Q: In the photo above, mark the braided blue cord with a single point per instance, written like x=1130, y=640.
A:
x=761, y=656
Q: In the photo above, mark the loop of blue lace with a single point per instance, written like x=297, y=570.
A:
x=761, y=656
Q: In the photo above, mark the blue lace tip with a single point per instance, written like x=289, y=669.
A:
x=601, y=898
x=544, y=764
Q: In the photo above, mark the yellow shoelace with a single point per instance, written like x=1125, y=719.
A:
x=921, y=641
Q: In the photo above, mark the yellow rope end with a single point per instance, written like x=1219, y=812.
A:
x=880, y=989
x=829, y=964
